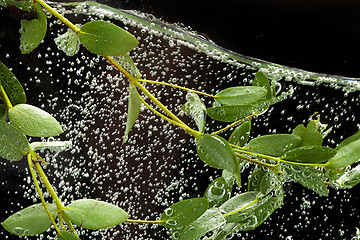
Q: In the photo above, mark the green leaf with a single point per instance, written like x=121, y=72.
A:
x=262, y=81
x=217, y=192
x=25, y=5
x=126, y=62
x=306, y=177
x=226, y=230
x=63, y=235
x=14, y=144
x=255, y=178
x=184, y=212
x=217, y=153
x=12, y=86
x=33, y=121
x=134, y=105
x=30, y=221
x=350, y=179
x=240, y=135
x=3, y=112
x=348, y=140
x=310, y=136
x=196, y=109
x=210, y=220
x=33, y=31
x=106, y=39
x=68, y=42
x=94, y=214
x=55, y=145
x=241, y=95
x=346, y=155
x=274, y=144
x=309, y=154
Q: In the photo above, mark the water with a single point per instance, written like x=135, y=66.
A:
x=157, y=166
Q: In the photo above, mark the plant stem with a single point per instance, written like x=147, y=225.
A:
x=59, y=16
x=266, y=165
x=233, y=124
x=176, y=86
x=5, y=98
x=131, y=78
x=242, y=208
x=144, y=221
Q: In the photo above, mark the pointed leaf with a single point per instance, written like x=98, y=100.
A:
x=33, y=121
x=274, y=144
x=183, y=213
x=210, y=220
x=68, y=42
x=106, y=39
x=350, y=179
x=217, y=192
x=134, y=105
x=30, y=221
x=195, y=108
x=306, y=177
x=348, y=140
x=309, y=154
x=126, y=62
x=241, y=95
x=240, y=135
x=217, y=153
x=262, y=81
x=13, y=144
x=256, y=177
x=94, y=214
x=346, y=155
x=55, y=145
x=66, y=236
x=12, y=86
x=33, y=31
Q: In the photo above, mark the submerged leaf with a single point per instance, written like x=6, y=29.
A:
x=310, y=135
x=262, y=81
x=14, y=144
x=195, y=108
x=240, y=135
x=347, y=154
x=134, y=105
x=126, y=62
x=12, y=86
x=33, y=31
x=183, y=213
x=94, y=214
x=241, y=95
x=33, y=121
x=66, y=236
x=3, y=112
x=68, y=42
x=30, y=221
x=309, y=154
x=24, y=5
x=54, y=145
x=350, y=178
x=217, y=192
x=106, y=39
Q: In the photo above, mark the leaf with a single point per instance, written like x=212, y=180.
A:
x=226, y=230
x=262, y=81
x=63, y=235
x=12, y=86
x=274, y=144
x=348, y=140
x=13, y=144
x=183, y=213
x=346, y=155
x=94, y=214
x=33, y=121
x=106, y=39
x=3, y=112
x=310, y=136
x=309, y=154
x=241, y=95
x=239, y=112
x=350, y=179
x=68, y=42
x=30, y=221
x=126, y=62
x=217, y=192
x=196, y=109
x=210, y=220
x=25, y=5
x=306, y=177
x=134, y=105
x=217, y=153
x=55, y=145
x=240, y=135
x=33, y=31
x=255, y=178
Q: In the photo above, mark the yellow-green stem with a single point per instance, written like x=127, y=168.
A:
x=30, y=162
x=266, y=165
x=242, y=208
x=233, y=124
x=176, y=86
x=131, y=78
x=59, y=16
x=144, y=221
x=5, y=98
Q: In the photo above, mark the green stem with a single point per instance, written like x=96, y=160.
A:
x=144, y=221
x=274, y=168
x=5, y=98
x=131, y=78
x=177, y=86
x=242, y=208
x=30, y=162
x=233, y=124
x=59, y=16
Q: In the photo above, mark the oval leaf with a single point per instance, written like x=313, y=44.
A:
x=309, y=154
x=240, y=135
x=217, y=153
x=256, y=177
x=13, y=144
x=274, y=144
x=33, y=31
x=210, y=220
x=30, y=221
x=217, y=192
x=33, y=121
x=134, y=106
x=196, y=109
x=346, y=155
x=241, y=95
x=184, y=212
x=350, y=179
x=25, y=5
x=12, y=86
x=262, y=81
x=67, y=236
x=68, y=42
x=94, y=214
x=106, y=39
